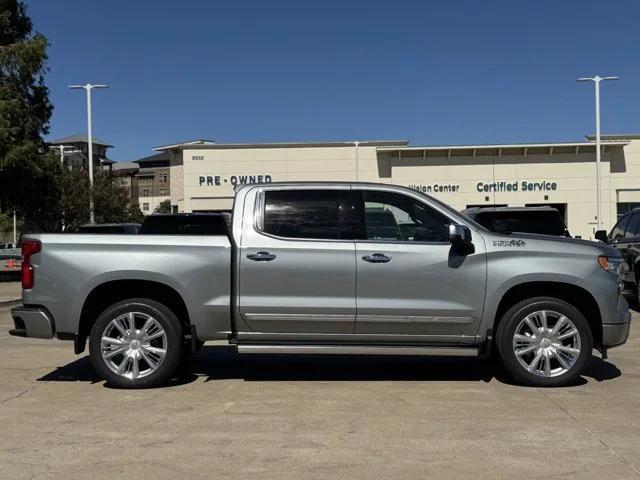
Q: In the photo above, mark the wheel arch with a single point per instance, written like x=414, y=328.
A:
x=575, y=295
x=110, y=292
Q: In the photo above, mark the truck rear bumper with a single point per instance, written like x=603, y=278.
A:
x=33, y=322
x=614, y=334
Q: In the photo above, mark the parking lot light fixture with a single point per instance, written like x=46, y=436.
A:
x=87, y=87
x=596, y=81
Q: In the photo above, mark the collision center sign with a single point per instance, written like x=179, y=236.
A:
x=491, y=186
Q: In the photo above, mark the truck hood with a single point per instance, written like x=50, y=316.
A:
x=551, y=242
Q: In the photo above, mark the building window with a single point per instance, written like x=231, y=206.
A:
x=163, y=191
x=162, y=177
x=145, y=207
x=626, y=207
x=145, y=193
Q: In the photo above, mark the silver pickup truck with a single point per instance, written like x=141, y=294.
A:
x=327, y=268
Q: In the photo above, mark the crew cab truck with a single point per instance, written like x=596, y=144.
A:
x=322, y=268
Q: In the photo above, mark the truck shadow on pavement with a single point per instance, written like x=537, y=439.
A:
x=223, y=362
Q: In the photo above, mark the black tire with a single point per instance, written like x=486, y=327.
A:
x=507, y=329
x=174, y=342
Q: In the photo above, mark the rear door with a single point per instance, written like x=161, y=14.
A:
x=297, y=263
x=410, y=279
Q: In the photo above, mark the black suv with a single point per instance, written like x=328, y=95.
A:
x=625, y=237
x=542, y=220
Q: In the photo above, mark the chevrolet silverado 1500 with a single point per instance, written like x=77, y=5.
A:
x=321, y=268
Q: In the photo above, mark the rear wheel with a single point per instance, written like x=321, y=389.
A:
x=544, y=342
x=136, y=343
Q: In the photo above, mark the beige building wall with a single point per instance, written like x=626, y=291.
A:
x=204, y=178
x=149, y=204
x=224, y=168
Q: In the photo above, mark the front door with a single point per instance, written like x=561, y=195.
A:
x=297, y=264
x=410, y=279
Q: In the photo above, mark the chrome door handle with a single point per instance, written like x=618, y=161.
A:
x=261, y=257
x=376, y=258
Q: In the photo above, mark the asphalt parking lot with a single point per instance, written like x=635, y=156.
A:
x=230, y=416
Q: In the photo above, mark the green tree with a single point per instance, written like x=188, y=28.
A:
x=163, y=207
x=134, y=214
x=28, y=175
x=110, y=199
x=75, y=199
x=111, y=202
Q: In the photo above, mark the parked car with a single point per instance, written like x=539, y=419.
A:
x=625, y=237
x=110, y=228
x=542, y=220
x=186, y=224
x=9, y=251
x=301, y=271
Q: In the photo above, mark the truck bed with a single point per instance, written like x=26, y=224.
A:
x=198, y=268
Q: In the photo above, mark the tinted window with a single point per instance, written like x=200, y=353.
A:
x=632, y=229
x=392, y=216
x=184, y=225
x=618, y=230
x=545, y=223
x=314, y=214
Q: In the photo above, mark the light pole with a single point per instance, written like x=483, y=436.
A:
x=596, y=82
x=87, y=88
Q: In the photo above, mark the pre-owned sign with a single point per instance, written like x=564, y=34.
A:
x=217, y=180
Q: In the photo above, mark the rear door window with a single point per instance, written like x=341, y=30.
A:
x=308, y=214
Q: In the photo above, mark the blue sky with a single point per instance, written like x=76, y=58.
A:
x=432, y=72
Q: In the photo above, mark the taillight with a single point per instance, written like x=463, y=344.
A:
x=29, y=247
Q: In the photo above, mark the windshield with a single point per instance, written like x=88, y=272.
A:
x=455, y=213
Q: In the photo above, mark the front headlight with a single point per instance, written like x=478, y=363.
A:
x=612, y=264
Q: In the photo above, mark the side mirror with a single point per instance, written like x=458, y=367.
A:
x=460, y=235
x=601, y=235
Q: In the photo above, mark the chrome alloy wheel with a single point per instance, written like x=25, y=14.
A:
x=133, y=345
x=546, y=343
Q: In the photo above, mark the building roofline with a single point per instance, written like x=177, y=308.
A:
x=503, y=146
x=200, y=141
x=156, y=157
x=78, y=138
x=214, y=146
x=614, y=136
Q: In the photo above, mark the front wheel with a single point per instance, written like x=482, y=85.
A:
x=544, y=342
x=136, y=343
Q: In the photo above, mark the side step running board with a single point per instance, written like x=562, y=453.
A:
x=360, y=350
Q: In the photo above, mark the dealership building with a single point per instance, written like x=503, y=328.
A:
x=203, y=173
